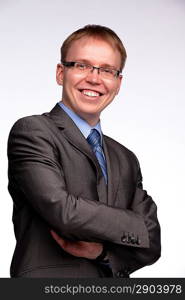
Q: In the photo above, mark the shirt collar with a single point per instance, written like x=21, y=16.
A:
x=83, y=126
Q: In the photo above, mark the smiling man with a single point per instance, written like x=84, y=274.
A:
x=87, y=91
x=79, y=206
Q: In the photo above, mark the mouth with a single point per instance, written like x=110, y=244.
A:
x=91, y=93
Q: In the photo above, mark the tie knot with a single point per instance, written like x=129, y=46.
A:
x=94, y=138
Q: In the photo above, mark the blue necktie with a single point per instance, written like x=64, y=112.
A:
x=94, y=139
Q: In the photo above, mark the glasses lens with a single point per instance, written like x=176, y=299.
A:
x=82, y=66
x=107, y=73
x=103, y=72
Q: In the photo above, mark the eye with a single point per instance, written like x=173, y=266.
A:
x=107, y=70
x=81, y=66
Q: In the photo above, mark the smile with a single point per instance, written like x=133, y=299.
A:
x=91, y=93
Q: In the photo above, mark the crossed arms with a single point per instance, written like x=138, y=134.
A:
x=79, y=225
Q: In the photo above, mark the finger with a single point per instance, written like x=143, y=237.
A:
x=57, y=238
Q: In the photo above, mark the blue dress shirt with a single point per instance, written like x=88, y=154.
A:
x=83, y=126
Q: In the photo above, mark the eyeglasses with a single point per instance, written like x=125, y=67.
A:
x=86, y=68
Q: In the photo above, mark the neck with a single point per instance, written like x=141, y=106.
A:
x=91, y=119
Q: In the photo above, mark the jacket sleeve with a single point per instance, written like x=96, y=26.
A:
x=128, y=259
x=35, y=171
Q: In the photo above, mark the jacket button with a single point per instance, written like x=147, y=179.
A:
x=124, y=238
x=133, y=240
x=120, y=274
x=138, y=241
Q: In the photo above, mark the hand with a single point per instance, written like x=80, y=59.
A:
x=88, y=250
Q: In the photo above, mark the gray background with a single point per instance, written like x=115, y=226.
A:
x=147, y=116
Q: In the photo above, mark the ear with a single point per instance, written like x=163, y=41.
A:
x=60, y=74
x=119, y=83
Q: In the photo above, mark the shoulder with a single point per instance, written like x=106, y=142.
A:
x=34, y=125
x=31, y=128
x=29, y=122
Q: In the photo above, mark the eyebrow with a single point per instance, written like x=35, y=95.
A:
x=104, y=65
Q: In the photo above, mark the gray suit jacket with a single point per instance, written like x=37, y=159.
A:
x=56, y=183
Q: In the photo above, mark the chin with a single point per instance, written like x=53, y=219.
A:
x=88, y=109
x=89, y=113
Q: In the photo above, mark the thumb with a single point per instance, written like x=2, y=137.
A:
x=57, y=238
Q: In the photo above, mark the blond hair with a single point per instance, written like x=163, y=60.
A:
x=96, y=31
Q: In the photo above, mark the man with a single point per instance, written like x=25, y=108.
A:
x=79, y=206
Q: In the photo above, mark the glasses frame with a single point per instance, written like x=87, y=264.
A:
x=92, y=68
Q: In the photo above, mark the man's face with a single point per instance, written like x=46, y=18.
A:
x=87, y=94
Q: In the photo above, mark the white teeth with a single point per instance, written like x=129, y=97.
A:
x=91, y=93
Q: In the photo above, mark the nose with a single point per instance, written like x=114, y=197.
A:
x=93, y=77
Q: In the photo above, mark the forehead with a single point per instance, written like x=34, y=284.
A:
x=94, y=50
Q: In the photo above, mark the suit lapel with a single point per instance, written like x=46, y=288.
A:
x=112, y=169
x=74, y=136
